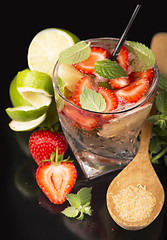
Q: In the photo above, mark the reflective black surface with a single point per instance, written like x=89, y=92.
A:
x=25, y=211
x=30, y=215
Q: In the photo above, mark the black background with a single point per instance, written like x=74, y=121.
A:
x=20, y=22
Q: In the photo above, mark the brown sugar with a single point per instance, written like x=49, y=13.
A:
x=134, y=203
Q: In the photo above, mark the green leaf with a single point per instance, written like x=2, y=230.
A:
x=144, y=57
x=109, y=69
x=70, y=212
x=163, y=81
x=87, y=210
x=85, y=195
x=91, y=100
x=80, y=204
x=77, y=53
x=161, y=101
x=81, y=216
x=74, y=200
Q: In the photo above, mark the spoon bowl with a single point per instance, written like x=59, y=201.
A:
x=139, y=172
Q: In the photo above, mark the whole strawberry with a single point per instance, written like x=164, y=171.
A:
x=43, y=142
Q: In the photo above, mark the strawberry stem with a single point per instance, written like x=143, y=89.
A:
x=56, y=158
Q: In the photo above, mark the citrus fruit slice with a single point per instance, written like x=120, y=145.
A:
x=46, y=46
x=25, y=113
x=69, y=75
x=26, y=126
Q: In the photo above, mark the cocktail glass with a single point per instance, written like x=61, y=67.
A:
x=113, y=143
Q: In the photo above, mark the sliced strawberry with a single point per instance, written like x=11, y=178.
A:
x=56, y=180
x=118, y=83
x=85, y=81
x=123, y=58
x=88, y=66
x=133, y=92
x=110, y=99
x=148, y=74
x=80, y=118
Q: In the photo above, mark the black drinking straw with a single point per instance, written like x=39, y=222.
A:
x=123, y=37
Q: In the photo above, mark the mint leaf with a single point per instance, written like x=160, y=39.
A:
x=160, y=120
x=80, y=204
x=77, y=53
x=74, y=200
x=91, y=100
x=85, y=195
x=70, y=212
x=161, y=101
x=144, y=57
x=109, y=69
x=163, y=81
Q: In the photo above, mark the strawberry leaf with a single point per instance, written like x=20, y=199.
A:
x=109, y=69
x=75, y=54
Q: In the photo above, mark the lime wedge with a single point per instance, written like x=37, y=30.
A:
x=69, y=75
x=26, y=113
x=26, y=126
x=46, y=46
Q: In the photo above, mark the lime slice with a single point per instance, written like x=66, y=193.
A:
x=26, y=126
x=26, y=113
x=46, y=46
x=69, y=75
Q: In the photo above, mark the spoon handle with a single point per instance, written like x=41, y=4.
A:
x=145, y=136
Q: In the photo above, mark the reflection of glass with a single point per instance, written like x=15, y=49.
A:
x=112, y=144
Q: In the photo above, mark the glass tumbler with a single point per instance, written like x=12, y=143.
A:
x=112, y=144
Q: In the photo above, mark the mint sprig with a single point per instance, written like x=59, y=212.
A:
x=158, y=143
x=109, y=69
x=75, y=54
x=80, y=204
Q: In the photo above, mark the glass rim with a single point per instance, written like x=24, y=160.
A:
x=154, y=85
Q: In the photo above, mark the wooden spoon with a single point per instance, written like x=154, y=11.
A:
x=139, y=171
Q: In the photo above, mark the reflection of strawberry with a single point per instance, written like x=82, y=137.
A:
x=56, y=178
x=133, y=92
x=85, y=81
x=88, y=66
x=43, y=142
x=82, y=119
x=148, y=74
x=123, y=58
x=119, y=82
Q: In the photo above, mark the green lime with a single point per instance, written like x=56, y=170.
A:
x=31, y=94
x=15, y=97
x=46, y=46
